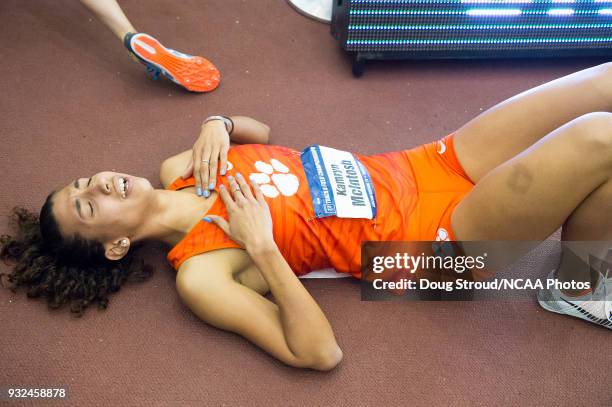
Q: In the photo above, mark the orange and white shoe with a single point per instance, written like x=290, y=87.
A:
x=194, y=73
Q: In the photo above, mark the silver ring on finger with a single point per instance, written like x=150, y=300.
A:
x=205, y=161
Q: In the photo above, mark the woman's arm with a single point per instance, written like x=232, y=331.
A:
x=206, y=286
x=213, y=137
x=249, y=131
x=307, y=333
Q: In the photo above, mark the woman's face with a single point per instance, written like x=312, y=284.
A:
x=103, y=207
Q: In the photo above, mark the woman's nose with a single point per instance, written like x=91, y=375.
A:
x=104, y=186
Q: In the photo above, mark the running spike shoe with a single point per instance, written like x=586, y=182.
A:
x=596, y=308
x=194, y=73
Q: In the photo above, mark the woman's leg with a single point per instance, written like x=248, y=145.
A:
x=109, y=12
x=510, y=127
x=563, y=179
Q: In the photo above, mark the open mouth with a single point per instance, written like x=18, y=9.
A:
x=123, y=186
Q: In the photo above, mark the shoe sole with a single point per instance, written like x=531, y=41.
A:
x=194, y=73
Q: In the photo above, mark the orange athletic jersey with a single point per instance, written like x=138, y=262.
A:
x=306, y=242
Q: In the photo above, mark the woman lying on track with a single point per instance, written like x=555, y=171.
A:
x=241, y=220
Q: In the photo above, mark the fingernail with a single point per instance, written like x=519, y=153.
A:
x=207, y=219
x=199, y=191
x=238, y=175
x=206, y=193
x=211, y=186
x=221, y=186
x=222, y=171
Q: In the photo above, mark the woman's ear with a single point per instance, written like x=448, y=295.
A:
x=117, y=249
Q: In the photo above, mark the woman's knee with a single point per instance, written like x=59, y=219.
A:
x=593, y=132
x=605, y=71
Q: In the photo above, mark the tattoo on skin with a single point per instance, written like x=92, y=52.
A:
x=520, y=178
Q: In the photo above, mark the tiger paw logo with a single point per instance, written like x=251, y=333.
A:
x=275, y=179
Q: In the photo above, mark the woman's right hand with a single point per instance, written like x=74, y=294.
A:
x=250, y=222
x=209, y=155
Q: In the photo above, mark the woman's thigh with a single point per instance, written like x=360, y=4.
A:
x=531, y=195
x=510, y=127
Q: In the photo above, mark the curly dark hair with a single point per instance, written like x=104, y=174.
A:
x=61, y=269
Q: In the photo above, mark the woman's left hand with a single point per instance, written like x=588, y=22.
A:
x=209, y=155
x=250, y=222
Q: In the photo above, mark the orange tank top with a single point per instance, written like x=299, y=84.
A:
x=306, y=242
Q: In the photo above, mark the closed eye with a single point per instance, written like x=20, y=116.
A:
x=90, y=205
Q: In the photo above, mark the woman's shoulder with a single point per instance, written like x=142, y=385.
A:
x=173, y=167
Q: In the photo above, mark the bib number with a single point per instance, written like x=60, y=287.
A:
x=339, y=183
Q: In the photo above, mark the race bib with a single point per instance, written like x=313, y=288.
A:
x=339, y=183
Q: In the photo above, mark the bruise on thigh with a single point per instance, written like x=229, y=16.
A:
x=520, y=178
